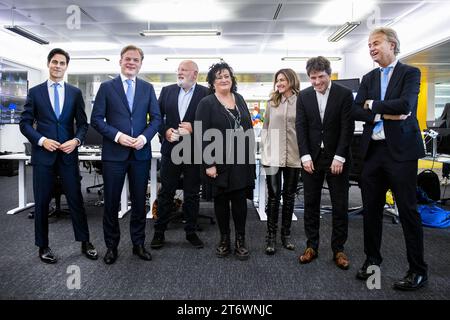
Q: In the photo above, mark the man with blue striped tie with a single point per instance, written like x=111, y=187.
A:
x=54, y=106
x=391, y=145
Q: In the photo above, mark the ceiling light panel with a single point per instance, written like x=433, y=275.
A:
x=337, y=12
x=179, y=11
x=86, y=46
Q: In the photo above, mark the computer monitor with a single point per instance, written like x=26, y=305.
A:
x=93, y=138
x=436, y=124
x=352, y=84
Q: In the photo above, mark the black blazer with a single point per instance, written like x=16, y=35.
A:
x=214, y=116
x=337, y=128
x=38, y=109
x=403, y=138
x=168, y=104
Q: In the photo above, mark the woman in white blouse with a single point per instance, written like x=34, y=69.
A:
x=280, y=156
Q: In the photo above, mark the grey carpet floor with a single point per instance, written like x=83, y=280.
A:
x=179, y=271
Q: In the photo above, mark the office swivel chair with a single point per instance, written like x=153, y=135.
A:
x=55, y=211
x=98, y=168
x=355, y=179
x=356, y=167
x=177, y=212
x=93, y=141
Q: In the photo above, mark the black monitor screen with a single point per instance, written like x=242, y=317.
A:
x=93, y=138
x=436, y=124
x=352, y=84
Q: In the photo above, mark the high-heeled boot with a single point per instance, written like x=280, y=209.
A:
x=286, y=219
x=272, y=222
x=240, y=248
x=224, y=247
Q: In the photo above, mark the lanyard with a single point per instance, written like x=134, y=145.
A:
x=237, y=120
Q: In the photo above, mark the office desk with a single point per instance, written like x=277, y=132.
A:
x=442, y=158
x=259, y=197
x=124, y=207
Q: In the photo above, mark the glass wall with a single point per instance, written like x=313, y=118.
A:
x=441, y=97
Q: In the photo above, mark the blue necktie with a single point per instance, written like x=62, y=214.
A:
x=384, y=83
x=56, y=100
x=130, y=93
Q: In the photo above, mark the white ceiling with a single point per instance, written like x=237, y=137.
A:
x=248, y=26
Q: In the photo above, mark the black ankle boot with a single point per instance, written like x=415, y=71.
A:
x=270, y=243
x=240, y=249
x=224, y=247
x=286, y=242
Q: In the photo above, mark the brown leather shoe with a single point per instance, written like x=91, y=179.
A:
x=309, y=255
x=341, y=261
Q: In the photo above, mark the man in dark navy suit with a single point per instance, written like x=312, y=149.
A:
x=54, y=106
x=178, y=104
x=126, y=113
x=391, y=144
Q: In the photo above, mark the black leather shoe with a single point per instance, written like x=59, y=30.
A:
x=142, y=253
x=412, y=281
x=110, y=256
x=158, y=240
x=89, y=250
x=362, y=272
x=47, y=255
x=194, y=240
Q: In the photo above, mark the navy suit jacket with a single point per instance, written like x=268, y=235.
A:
x=336, y=130
x=168, y=103
x=39, y=110
x=111, y=114
x=403, y=138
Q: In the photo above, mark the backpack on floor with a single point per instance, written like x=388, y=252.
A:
x=428, y=181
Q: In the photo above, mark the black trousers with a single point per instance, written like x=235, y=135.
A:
x=276, y=188
x=43, y=186
x=380, y=173
x=113, y=178
x=338, y=186
x=170, y=182
x=238, y=201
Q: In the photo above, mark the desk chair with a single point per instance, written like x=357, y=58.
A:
x=98, y=168
x=55, y=211
x=177, y=212
x=355, y=180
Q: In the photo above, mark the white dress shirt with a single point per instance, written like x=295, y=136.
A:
x=125, y=88
x=380, y=135
x=184, y=99
x=322, y=100
x=51, y=94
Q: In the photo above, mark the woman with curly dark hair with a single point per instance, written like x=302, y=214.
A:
x=228, y=155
